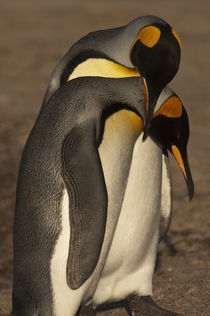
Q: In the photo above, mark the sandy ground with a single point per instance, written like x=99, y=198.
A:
x=34, y=36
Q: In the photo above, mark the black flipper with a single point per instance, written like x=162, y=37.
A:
x=84, y=180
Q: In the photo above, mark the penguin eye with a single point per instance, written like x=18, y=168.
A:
x=172, y=107
x=177, y=38
x=148, y=36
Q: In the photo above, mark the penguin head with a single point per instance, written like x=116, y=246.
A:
x=170, y=128
x=156, y=53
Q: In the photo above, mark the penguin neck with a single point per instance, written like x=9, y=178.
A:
x=93, y=98
x=93, y=95
x=101, y=67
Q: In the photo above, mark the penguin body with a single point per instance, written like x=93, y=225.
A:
x=46, y=229
x=66, y=135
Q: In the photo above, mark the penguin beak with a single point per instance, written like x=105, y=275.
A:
x=182, y=160
x=151, y=99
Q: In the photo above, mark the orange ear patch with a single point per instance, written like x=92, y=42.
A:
x=171, y=108
x=149, y=36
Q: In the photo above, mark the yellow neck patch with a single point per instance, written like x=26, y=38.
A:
x=136, y=120
x=149, y=36
x=177, y=38
x=98, y=67
x=171, y=108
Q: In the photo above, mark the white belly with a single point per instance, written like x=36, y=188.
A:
x=130, y=263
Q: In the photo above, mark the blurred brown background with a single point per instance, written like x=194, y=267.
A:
x=34, y=36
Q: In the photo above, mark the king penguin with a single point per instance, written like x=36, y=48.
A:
x=77, y=167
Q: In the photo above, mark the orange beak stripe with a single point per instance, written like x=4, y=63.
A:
x=178, y=157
